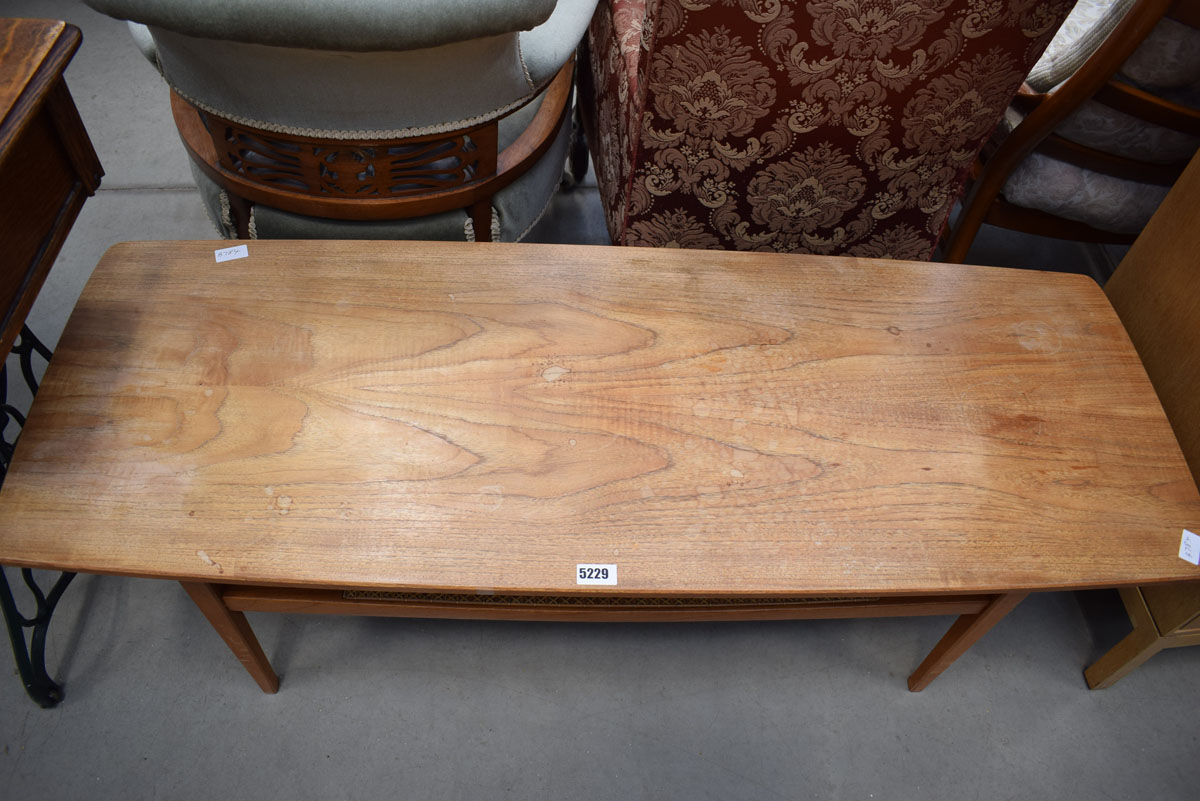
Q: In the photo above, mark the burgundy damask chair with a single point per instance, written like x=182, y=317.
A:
x=831, y=126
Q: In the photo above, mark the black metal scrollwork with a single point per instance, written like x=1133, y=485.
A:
x=30, y=654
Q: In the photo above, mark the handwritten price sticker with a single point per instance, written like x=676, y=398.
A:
x=229, y=254
x=1189, y=547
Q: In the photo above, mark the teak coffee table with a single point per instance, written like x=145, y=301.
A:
x=454, y=430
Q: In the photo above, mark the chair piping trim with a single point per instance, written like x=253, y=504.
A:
x=226, y=215
x=539, y=216
x=469, y=227
x=524, y=68
x=212, y=219
x=391, y=133
x=252, y=226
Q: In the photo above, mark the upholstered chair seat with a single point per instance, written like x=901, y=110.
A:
x=1166, y=64
x=1102, y=128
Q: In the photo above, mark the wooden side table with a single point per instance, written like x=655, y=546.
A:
x=1162, y=617
x=48, y=167
x=1156, y=293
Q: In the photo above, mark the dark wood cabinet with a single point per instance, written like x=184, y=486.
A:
x=48, y=166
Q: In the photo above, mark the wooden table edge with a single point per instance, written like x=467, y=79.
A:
x=35, y=92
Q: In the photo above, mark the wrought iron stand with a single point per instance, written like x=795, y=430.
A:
x=31, y=654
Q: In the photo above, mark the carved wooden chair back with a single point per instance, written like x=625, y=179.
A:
x=367, y=178
x=375, y=111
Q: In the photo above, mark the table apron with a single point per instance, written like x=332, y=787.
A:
x=590, y=608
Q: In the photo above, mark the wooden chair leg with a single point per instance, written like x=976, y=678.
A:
x=235, y=630
x=239, y=212
x=1139, y=645
x=961, y=636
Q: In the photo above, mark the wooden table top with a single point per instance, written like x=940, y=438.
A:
x=454, y=416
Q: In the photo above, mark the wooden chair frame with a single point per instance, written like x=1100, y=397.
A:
x=352, y=179
x=1046, y=111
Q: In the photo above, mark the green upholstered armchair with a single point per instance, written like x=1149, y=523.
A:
x=431, y=119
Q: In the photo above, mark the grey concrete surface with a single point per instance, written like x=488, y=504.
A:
x=157, y=707
x=123, y=101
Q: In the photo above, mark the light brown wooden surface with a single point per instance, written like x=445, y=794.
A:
x=1174, y=606
x=1156, y=292
x=452, y=416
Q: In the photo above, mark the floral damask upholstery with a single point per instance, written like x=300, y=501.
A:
x=828, y=126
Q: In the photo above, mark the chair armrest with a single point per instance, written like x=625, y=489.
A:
x=548, y=46
x=145, y=43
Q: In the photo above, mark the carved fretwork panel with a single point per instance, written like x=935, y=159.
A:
x=355, y=169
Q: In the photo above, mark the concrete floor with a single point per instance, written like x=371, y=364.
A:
x=156, y=706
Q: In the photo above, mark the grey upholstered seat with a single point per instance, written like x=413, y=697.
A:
x=1166, y=64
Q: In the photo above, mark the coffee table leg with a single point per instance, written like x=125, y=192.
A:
x=235, y=631
x=961, y=636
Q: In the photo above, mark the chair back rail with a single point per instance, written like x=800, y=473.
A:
x=1045, y=111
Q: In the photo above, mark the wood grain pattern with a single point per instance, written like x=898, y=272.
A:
x=452, y=416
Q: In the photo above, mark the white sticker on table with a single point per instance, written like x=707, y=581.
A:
x=595, y=574
x=1189, y=547
x=235, y=252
